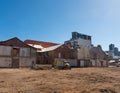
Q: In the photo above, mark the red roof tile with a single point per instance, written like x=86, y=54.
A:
x=42, y=43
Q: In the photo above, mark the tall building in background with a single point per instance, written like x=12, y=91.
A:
x=79, y=40
x=116, y=51
x=113, y=51
x=111, y=47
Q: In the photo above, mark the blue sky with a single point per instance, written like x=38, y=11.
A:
x=54, y=20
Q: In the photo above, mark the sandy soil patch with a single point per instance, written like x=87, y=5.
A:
x=77, y=80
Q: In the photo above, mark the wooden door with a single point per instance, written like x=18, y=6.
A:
x=15, y=62
x=15, y=57
x=78, y=63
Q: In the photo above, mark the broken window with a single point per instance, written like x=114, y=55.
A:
x=15, y=52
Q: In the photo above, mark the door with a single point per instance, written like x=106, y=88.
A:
x=15, y=62
x=82, y=63
x=78, y=63
x=102, y=64
x=15, y=57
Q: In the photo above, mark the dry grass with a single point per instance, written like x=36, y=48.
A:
x=77, y=80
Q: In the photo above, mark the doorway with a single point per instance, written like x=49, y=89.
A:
x=15, y=57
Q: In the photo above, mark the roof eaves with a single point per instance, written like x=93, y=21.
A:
x=50, y=48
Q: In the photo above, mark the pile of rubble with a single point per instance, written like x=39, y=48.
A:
x=41, y=67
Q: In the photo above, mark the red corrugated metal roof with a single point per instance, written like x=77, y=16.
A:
x=42, y=43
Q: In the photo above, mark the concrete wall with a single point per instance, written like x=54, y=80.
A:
x=83, y=53
x=97, y=53
x=73, y=62
x=93, y=63
x=99, y=63
x=5, y=62
x=82, y=63
x=105, y=63
x=83, y=42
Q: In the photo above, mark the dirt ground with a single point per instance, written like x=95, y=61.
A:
x=76, y=80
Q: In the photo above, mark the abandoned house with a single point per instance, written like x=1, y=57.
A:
x=83, y=56
x=80, y=57
x=47, y=52
x=41, y=46
x=48, y=55
x=93, y=57
x=15, y=53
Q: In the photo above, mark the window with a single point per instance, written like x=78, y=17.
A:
x=15, y=52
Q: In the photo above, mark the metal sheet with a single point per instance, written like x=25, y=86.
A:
x=24, y=52
x=33, y=52
x=26, y=62
x=5, y=62
x=5, y=50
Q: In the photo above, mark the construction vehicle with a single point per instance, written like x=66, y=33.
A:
x=61, y=64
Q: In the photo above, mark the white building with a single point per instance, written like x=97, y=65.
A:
x=79, y=40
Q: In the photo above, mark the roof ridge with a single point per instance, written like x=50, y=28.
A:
x=40, y=41
x=14, y=38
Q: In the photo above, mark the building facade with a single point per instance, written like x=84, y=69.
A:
x=42, y=48
x=98, y=58
x=49, y=55
x=79, y=40
x=15, y=53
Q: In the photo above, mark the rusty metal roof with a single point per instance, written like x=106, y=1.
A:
x=41, y=43
x=14, y=42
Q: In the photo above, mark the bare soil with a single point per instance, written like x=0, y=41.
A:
x=76, y=80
